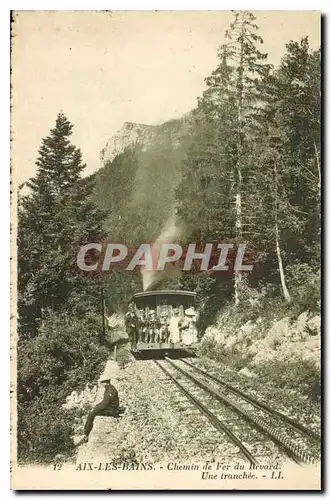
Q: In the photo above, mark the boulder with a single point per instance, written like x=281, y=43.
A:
x=230, y=342
x=248, y=327
x=111, y=369
x=298, y=330
x=255, y=347
x=246, y=330
x=78, y=439
x=277, y=333
x=210, y=332
x=263, y=352
x=314, y=325
x=312, y=350
x=247, y=373
x=117, y=337
x=214, y=333
x=249, y=333
x=116, y=321
x=116, y=332
x=306, y=350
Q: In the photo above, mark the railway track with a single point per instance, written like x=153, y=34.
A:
x=249, y=424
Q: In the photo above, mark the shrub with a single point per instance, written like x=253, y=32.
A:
x=301, y=375
x=64, y=356
x=305, y=288
x=44, y=430
x=123, y=355
x=209, y=348
x=234, y=358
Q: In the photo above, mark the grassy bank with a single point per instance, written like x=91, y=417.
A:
x=269, y=339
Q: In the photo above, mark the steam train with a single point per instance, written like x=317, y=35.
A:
x=162, y=320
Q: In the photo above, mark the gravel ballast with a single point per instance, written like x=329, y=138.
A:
x=161, y=425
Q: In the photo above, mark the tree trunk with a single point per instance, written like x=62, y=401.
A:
x=281, y=267
x=237, y=276
x=238, y=202
x=318, y=168
x=278, y=251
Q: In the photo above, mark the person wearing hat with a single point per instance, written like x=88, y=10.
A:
x=192, y=324
x=131, y=324
x=154, y=327
x=143, y=326
x=164, y=330
x=174, y=326
x=189, y=328
x=109, y=406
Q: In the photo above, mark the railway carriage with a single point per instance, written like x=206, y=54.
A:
x=162, y=320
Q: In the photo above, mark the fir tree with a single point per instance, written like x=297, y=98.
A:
x=287, y=161
x=55, y=218
x=228, y=120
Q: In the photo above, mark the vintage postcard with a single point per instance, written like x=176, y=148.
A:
x=165, y=231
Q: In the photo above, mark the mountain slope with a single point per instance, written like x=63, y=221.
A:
x=141, y=170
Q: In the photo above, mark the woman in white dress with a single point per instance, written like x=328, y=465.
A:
x=174, y=328
x=189, y=328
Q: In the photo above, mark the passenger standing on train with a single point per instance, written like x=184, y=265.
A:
x=193, y=325
x=184, y=330
x=154, y=329
x=174, y=327
x=131, y=324
x=189, y=329
x=164, y=331
x=141, y=325
x=146, y=326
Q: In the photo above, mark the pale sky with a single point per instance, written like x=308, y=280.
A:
x=103, y=69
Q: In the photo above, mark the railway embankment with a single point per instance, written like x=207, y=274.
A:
x=281, y=351
x=160, y=423
x=274, y=360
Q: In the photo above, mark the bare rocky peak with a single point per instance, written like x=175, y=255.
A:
x=129, y=134
x=144, y=135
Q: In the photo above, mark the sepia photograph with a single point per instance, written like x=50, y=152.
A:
x=166, y=250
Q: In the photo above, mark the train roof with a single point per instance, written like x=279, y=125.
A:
x=163, y=292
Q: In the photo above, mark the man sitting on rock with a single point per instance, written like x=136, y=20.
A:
x=109, y=407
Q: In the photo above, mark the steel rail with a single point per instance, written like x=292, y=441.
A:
x=259, y=404
x=215, y=421
x=292, y=449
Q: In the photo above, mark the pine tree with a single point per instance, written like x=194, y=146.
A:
x=298, y=103
x=249, y=72
x=288, y=161
x=55, y=218
x=228, y=119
